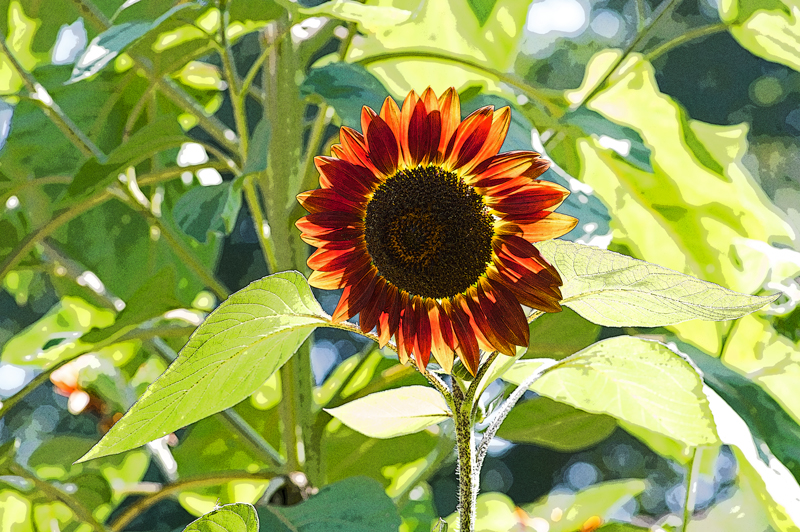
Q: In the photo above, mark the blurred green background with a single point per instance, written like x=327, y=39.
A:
x=150, y=152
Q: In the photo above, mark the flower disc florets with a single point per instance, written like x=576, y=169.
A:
x=430, y=231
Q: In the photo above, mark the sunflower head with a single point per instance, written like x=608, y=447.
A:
x=430, y=231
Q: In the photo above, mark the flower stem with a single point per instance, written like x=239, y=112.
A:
x=680, y=40
x=467, y=479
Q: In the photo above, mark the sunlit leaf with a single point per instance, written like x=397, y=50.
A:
x=634, y=380
x=155, y=297
x=448, y=27
x=599, y=501
x=346, y=87
x=15, y=512
x=761, y=475
x=394, y=412
x=236, y=517
x=617, y=291
x=355, y=504
x=555, y=425
x=689, y=214
x=244, y=341
x=116, y=39
x=767, y=29
x=56, y=334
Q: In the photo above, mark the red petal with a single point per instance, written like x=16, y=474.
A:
x=368, y=318
x=469, y=138
x=503, y=312
x=355, y=296
x=409, y=105
x=348, y=179
x=408, y=326
x=467, y=344
x=327, y=199
x=422, y=343
x=450, y=107
x=355, y=148
x=497, y=134
x=530, y=199
x=323, y=223
x=497, y=170
x=442, y=341
x=481, y=323
x=384, y=152
x=553, y=226
x=329, y=260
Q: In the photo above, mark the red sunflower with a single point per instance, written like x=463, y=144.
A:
x=430, y=231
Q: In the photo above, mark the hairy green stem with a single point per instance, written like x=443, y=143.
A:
x=465, y=446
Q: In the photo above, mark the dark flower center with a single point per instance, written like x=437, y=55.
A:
x=428, y=233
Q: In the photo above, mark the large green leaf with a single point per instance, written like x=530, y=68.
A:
x=769, y=29
x=244, y=341
x=634, y=380
x=769, y=486
x=555, y=425
x=236, y=517
x=394, y=412
x=617, y=291
x=694, y=209
x=448, y=27
x=353, y=505
x=347, y=88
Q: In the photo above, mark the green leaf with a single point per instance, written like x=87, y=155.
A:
x=258, y=149
x=617, y=291
x=555, y=425
x=482, y=9
x=115, y=40
x=155, y=297
x=692, y=212
x=768, y=29
x=244, y=341
x=153, y=138
x=236, y=517
x=634, y=380
x=765, y=483
x=52, y=337
x=601, y=500
x=558, y=335
x=394, y=412
x=208, y=208
x=355, y=504
x=765, y=417
x=448, y=27
x=347, y=87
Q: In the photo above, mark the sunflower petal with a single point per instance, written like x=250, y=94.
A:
x=469, y=138
x=327, y=199
x=355, y=296
x=450, y=107
x=422, y=340
x=497, y=135
x=384, y=152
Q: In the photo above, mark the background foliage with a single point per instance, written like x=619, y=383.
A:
x=150, y=153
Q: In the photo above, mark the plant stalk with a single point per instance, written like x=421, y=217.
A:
x=465, y=446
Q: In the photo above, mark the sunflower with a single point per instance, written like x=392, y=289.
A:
x=430, y=231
